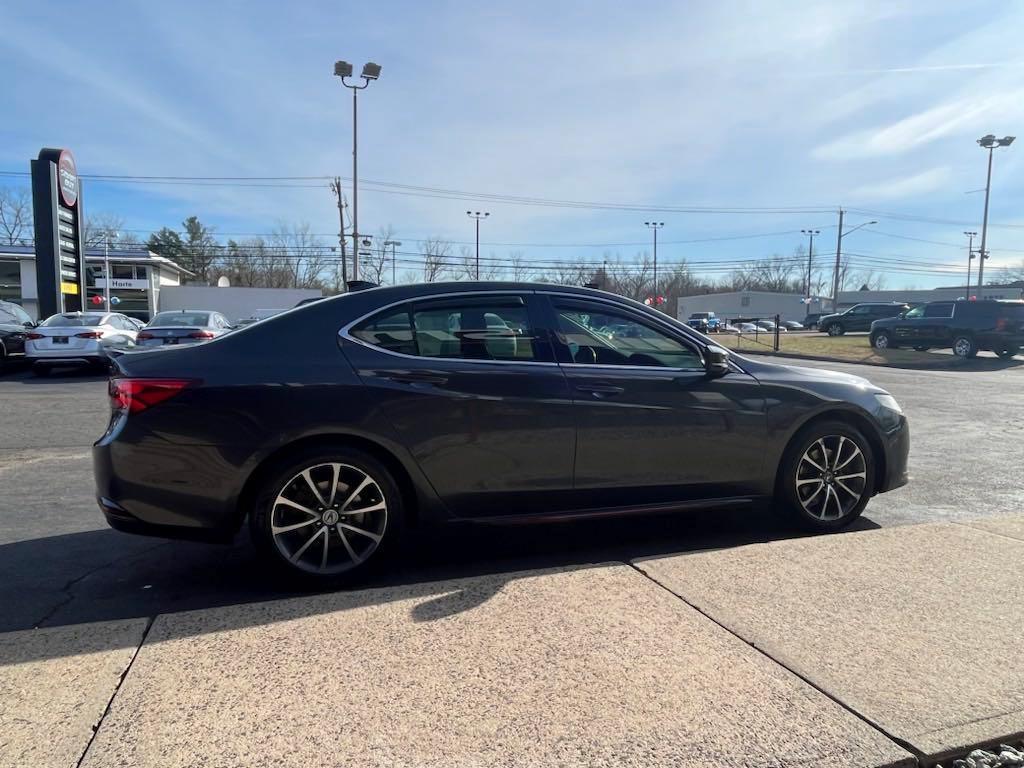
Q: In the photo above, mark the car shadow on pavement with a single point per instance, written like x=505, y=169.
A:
x=103, y=575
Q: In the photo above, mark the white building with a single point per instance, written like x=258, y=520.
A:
x=138, y=275
x=751, y=304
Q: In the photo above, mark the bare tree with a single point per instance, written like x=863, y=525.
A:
x=374, y=265
x=869, y=280
x=15, y=216
x=303, y=251
x=1012, y=274
x=102, y=228
x=518, y=267
x=436, y=258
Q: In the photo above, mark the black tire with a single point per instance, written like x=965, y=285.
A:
x=303, y=569
x=921, y=349
x=835, y=329
x=1007, y=353
x=882, y=340
x=833, y=435
x=40, y=370
x=965, y=347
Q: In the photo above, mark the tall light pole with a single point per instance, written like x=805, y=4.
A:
x=970, y=255
x=810, y=255
x=478, y=215
x=370, y=72
x=106, y=266
x=988, y=142
x=839, y=251
x=394, y=244
x=655, y=225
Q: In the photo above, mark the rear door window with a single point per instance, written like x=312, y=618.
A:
x=939, y=309
x=475, y=328
x=391, y=331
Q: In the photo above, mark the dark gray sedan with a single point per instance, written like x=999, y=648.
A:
x=183, y=326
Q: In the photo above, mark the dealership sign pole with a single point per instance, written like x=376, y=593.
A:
x=60, y=252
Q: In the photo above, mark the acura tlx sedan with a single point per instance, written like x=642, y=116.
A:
x=336, y=427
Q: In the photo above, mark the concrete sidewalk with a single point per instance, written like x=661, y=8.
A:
x=916, y=629
x=860, y=650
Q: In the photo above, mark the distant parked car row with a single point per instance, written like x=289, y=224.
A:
x=91, y=338
x=708, y=322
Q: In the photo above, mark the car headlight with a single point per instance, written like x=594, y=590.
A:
x=888, y=402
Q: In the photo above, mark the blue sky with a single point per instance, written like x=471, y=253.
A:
x=873, y=106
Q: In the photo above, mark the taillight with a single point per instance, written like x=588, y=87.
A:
x=145, y=335
x=35, y=336
x=201, y=335
x=135, y=395
x=89, y=335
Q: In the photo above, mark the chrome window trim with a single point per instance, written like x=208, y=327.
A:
x=346, y=330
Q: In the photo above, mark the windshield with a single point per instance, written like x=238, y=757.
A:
x=191, y=319
x=73, y=321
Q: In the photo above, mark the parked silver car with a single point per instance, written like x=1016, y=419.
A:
x=78, y=338
x=183, y=326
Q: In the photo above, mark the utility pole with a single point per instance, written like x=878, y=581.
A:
x=655, y=225
x=835, y=274
x=478, y=215
x=810, y=256
x=970, y=255
x=988, y=142
x=336, y=189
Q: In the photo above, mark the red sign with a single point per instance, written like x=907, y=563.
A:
x=67, y=178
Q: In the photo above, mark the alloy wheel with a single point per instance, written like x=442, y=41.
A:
x=962, y=347
x=831, y=477
x=329, y=518
x=882, y=341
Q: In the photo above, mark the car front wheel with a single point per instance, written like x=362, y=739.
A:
x=328, y=516
x=827, y=476
x=835, y=329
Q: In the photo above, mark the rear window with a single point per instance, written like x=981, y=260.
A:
x=191, y=319
x=72, y=321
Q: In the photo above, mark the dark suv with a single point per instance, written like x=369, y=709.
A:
x=859, y=317
x=963, y=326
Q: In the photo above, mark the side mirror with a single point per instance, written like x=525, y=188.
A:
x=716, y=361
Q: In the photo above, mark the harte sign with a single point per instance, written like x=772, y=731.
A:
x=60, y=252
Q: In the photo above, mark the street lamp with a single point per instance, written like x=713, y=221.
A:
x=655, y=225
x=370, y=72
x=970, y=255
x=988, y=142
x=810, y=254
x=394, y=244
x=478, y=216
x=839, y=250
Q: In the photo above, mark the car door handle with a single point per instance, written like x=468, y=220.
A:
x=416, y=378
x=600, y=390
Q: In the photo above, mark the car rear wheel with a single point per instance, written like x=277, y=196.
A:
x=882, y=340
x=964, y=347
x=835, y=329
x=329, y=516
x=827, y=476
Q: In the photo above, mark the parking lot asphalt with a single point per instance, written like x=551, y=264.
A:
x=60, y=564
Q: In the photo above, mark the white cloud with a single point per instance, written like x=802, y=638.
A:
x=903, y=186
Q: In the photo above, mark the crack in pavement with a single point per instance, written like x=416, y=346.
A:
x=117, y=688
x=67, y=590
x=917, y=753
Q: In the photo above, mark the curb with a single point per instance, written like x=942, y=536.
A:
x=952, y=363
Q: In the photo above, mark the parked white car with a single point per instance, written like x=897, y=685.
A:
x=183, y=326
x=78, y=338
